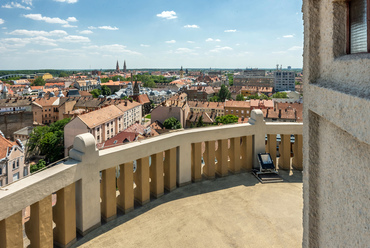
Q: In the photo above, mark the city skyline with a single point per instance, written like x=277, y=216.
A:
x=72, y=34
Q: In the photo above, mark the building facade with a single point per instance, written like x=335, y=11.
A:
x=284, y=80
x=12, y=166
x=336, y=144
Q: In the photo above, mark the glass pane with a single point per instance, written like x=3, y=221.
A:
x=358, y=26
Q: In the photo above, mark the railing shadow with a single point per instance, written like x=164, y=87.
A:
x=205, y=186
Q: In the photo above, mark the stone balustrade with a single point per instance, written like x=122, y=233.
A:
x=93, y=184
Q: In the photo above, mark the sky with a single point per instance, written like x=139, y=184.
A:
x=94, y=34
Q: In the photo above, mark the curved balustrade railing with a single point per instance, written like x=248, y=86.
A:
x=87, y=184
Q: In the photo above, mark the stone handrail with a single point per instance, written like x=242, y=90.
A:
x=83, y=168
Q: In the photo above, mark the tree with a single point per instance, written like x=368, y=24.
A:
x=39, y=81
x=95, y=93
x=40, y=165
x=231, y=79
x=226, y=119
x=200, y=122
x=63, y=74
x=240, y=97
x=224, y=93
x=172, y=123
x=48, y=141
x=214, y=99
x=280, y=95
x=105, y=91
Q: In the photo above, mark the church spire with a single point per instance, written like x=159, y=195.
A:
x=136, y=89
x=124, y=66
x=117, y=67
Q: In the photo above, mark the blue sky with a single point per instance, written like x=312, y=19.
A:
x=83, y=34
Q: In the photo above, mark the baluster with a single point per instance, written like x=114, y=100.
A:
x=284, y=161
x=298, y=152
x=125, y=200
x=11, y=233
x=235, y=162
x=222, y=158
x=170, y=169
x=196, y=162
x=39, y=228
x=141, y=177
x=271, y=143
x=247, y=153
x=209, y=160
x=108, y=194
x=156, y=175
x=64, y=216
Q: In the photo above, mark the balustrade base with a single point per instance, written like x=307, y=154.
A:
x=209, y=177
x=157, y=195
x=234, y=172
x=142, y=203
x=105, y=219
x=171, y=189
x=297, y=168
x=183, y=184
x=125, y=211
x=195, y=180
x=56, y=244
x=222, y=174
x=84, y=233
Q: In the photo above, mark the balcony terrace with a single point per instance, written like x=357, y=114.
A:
x=94, y=187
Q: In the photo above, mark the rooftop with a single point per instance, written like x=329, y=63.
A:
x=212, y=213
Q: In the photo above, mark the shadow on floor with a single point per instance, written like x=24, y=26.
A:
x=205, y=186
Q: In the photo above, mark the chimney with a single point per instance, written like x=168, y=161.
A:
x=279, y=113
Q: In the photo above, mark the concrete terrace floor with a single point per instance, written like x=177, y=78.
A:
x=234, y=211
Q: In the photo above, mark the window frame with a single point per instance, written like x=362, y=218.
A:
x=348, y=31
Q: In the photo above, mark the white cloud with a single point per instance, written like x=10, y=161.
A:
x=68, y=26
x=183, y=50
x=191, y=42
x=220, y=49
x=114, y=48
x=288, y=36
x=75, y=39
x=91, y=27
x=295, y=48
x=71, y=19
x=66, y=1
x=21, y=42
x=38, y=33
x=4, y=28
x=171, y=41
x=142, y=45
x=230, y=31
x=86, y=32
x=1, y=21
x=108, y=28
x=210, y=40
x=28, y=2
x=57, y=20
x=167, y=15
x=191, y=26
x=279, y=52
x=12, y=5
x=237, y=44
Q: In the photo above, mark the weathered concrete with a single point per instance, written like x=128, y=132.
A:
x=233, y=211
x=336, y=144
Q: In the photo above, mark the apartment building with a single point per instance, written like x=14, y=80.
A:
x=240, y=109
x=207, y=107
x=12, y=166
x=103, y=123
x=284, y=80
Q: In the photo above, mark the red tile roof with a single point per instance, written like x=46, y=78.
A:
x=5, y=145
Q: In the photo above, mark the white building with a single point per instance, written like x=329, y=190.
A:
x=103, y=123
x=284, y=80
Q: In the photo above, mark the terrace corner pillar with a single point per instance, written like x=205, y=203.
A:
x=88, y=213
x=258, y=122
